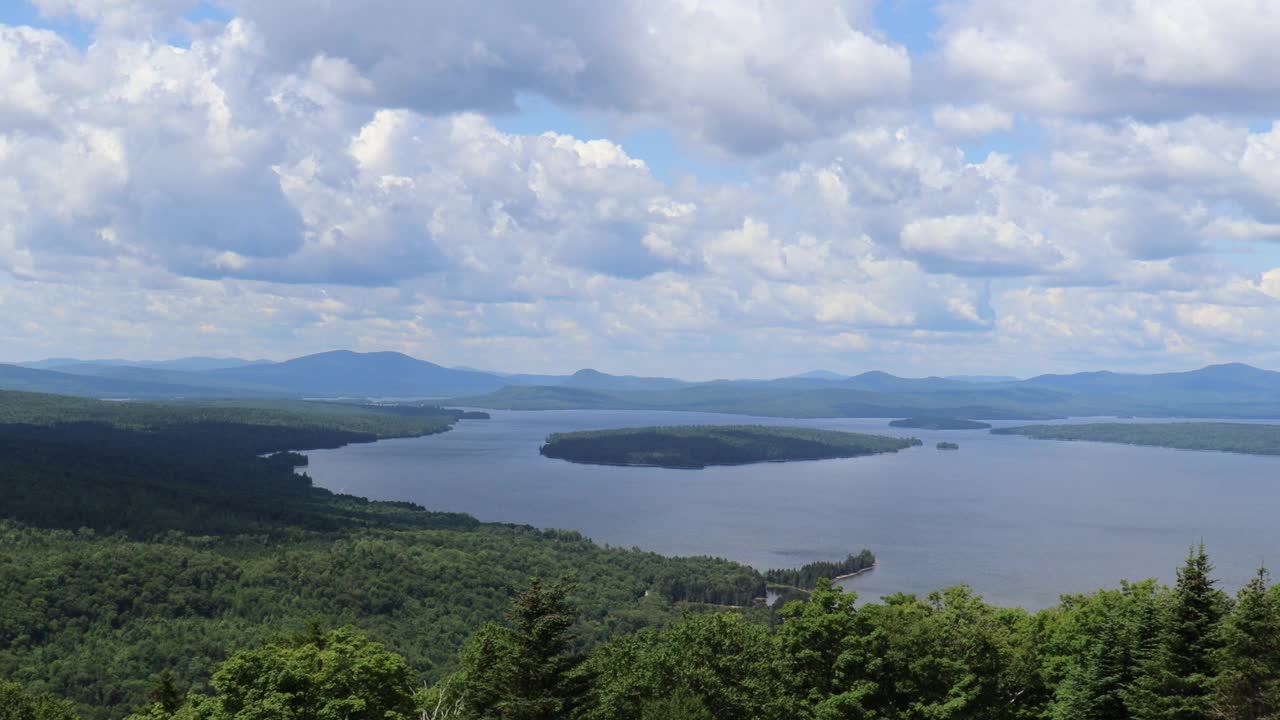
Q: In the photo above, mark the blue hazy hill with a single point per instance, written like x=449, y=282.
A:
x=343, y=372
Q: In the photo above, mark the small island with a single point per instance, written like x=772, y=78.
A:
x=697, y=446
x=948, y=446
x=939, y=423
x=1246, y=438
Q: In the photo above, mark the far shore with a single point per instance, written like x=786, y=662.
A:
x=718, y=464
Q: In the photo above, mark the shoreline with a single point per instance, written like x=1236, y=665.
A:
x=855, y=574
x=723, y=464
x=711, y=465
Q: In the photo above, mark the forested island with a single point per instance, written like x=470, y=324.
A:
x=698, y=446
x=939, y=423
x=1247, y=438
x=948, y=446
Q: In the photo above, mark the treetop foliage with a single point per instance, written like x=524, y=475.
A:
x=1140, y=651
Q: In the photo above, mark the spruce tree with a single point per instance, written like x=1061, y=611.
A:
x=1176, y=681
x=1097, y=689
x=165, y=693
x=542, y=618
x=523, y=672
x=1248, y=683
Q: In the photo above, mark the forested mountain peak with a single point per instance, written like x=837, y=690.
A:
x=340, y=372
x=591, y=379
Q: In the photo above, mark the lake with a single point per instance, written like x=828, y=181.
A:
x=1019, y=520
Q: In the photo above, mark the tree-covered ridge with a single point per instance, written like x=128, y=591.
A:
x=364, y=419
x=939, y=423
x=782, y=399
x=1248, y=438
x=1139, y=652
x=697, y=446
x=126, y=551
x=93, y=618
x=144, y=469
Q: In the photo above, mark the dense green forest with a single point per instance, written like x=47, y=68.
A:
x=351, y=419
x=143, y=469
x=939, y=423
x=1249, y=438
x=153, y=562
x=1141, y=651
x=697, y=446
x=136, y=539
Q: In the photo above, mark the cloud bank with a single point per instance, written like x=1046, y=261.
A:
x=284, y=177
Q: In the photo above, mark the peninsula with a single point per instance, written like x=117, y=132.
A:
x=1246, y=438
x=697, y=446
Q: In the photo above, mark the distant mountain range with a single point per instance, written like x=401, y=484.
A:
x=819, y=375
x=1217, y=391
x=377, y=374
x=1228, y=391
x=340, y=373
x=983, y=378
x=829, y=375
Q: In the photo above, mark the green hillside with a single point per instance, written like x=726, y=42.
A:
x=1247, y=438
x=151, y=562
x=136, y=538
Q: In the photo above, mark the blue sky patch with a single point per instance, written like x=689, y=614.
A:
x=661, y=151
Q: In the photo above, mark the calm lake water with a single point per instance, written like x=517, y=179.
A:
x=1020, y=520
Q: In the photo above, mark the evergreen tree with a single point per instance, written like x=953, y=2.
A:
x=1097, y=689
x=1248, y=683
x=523, y=672
x=164, y=693
x=1175, y=681
x=542, y=620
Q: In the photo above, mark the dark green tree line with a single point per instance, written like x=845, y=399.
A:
x=1141, y=651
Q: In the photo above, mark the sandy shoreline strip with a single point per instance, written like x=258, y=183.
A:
x=863, y=571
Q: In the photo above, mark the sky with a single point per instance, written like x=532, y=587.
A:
x=697, y=188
